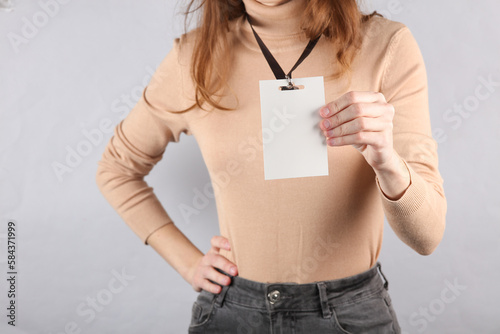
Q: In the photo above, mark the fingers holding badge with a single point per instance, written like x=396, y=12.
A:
x=363, y=120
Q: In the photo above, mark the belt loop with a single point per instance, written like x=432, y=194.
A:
x=219, y=299
x=386, y=283
x=325, y=307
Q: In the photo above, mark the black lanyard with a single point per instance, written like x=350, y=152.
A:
x=277, y=70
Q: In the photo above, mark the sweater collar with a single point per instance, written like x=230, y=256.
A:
x=278, y=26
x=279, y=20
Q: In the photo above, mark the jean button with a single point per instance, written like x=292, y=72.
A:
x=273, y=296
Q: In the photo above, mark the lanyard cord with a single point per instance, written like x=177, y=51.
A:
x=275, y=67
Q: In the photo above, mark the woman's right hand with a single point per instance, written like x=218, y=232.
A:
x=204, y=269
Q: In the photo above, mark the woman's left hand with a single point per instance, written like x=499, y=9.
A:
x=363, y=120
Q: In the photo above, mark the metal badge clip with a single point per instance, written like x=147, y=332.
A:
x=290, y=85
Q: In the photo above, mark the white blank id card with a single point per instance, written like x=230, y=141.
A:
x=293, y=142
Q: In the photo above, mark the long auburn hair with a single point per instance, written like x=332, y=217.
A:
x=340, y=21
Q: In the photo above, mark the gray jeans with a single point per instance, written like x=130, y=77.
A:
x=354, y=304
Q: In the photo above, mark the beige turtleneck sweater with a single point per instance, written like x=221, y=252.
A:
x=297, y=229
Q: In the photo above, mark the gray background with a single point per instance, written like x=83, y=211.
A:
x=77, y=70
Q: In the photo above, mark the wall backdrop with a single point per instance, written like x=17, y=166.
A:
x=71, y=70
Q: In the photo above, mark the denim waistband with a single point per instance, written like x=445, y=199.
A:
x=304, y=297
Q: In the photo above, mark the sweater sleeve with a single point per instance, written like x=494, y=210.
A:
x=418, y=217
x=138, y=143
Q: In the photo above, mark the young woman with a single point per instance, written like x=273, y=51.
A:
x=295, y=255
